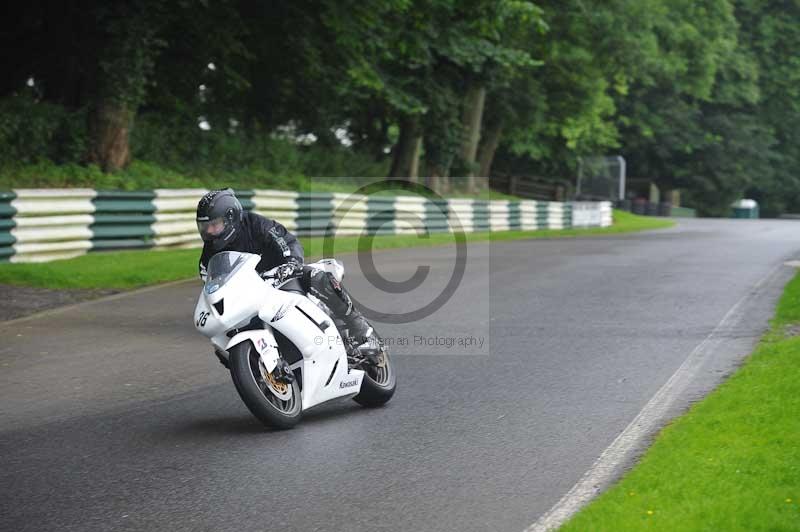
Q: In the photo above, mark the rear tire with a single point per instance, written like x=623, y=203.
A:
x=259, y=394
x=378, y=384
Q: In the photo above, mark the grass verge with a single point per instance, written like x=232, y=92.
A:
x=733, y=461
x=132, y=269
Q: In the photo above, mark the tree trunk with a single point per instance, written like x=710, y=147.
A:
x=489, y=144
x=125, y=62
x=445, y=183
x=405, y=158
x=413, y=175
x=471, y=120
x=110, y=124
x=440, y=149
x=435, y=177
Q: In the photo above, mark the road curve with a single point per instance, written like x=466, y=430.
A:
x=114, y=415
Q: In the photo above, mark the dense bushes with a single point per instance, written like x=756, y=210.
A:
x=43, y=145
x=32, y=131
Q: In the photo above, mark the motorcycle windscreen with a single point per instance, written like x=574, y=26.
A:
x=222, y=267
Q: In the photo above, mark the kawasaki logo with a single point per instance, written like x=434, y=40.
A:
x=348, y=384
x=281, y=313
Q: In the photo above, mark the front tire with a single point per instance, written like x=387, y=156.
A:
x=276, y=404
x=378, y=384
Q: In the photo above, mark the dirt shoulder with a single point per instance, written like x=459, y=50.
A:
x=20, y=301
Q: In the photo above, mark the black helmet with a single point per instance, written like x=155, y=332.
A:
x=219, y=217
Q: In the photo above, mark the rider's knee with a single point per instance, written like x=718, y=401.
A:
x=321, y=281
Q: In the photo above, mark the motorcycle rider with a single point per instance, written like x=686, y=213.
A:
x=225, y=226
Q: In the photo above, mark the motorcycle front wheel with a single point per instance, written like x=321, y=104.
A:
x=275, y=403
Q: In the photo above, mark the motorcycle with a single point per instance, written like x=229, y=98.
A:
x=283, y=348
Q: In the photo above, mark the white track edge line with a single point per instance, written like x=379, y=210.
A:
x=641, y=427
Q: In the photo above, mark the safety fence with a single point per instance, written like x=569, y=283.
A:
x=47, y=224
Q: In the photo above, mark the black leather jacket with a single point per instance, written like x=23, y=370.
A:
x=261, y=236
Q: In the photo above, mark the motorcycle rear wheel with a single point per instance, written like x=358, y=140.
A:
x=378, y=384
x=276, y=404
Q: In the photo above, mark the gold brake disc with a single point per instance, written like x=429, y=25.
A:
x=280, y=387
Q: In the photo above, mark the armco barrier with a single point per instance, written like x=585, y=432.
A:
x=7, y=213
x=51, y=224
x=48, y=224
x=123, y=220
x=175, y=210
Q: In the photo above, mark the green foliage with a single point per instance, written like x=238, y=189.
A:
x=141, y=175
x=772, y=33
x=700, y=95
x=174, y=143
x=169, y=151
x=32, y=131
x=591, y=53
x=130, y=45
x=691, y=121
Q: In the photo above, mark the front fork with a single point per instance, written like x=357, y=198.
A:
x=282, y=372
x=222, y=356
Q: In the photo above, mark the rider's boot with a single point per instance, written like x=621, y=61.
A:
x=359, y=336
x=363, y=338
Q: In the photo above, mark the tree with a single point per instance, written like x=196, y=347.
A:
x=590, y=53
x=677, y=121
x=771, y=31
x=129, y=46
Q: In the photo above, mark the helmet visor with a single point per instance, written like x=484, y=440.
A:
x=211, y=229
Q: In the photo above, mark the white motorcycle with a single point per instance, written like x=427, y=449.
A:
x=283, y=349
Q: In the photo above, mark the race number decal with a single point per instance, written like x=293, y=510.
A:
x=201, y=319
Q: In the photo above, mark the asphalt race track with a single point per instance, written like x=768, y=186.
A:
x=116, y=416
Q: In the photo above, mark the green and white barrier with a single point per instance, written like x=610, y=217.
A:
x=175, y=224
x=7, y=225
x=52, y=224
x=123, y=220
x=48, y=224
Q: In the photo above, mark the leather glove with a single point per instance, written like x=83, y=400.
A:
x=288, y=270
